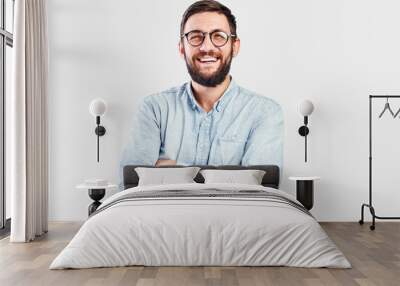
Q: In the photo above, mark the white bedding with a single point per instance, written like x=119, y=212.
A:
x=200, y=231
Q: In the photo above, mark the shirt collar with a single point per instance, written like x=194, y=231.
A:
x=221, y=102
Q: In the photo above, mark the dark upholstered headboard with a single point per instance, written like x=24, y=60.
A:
x=270, y=179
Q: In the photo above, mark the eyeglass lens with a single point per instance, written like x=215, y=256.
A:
x=218, y=38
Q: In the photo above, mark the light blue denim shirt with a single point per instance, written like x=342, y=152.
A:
x=243, y=128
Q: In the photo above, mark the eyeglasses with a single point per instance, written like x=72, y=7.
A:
x=218, y=38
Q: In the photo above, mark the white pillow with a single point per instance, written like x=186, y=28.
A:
x=249, y=177
x=163, y=176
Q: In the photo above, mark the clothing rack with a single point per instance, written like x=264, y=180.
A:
x=369, y=205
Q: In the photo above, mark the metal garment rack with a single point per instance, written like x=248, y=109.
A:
x=369, y=205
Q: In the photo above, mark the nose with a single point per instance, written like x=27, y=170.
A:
x=207, y=45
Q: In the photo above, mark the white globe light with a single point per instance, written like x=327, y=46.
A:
x=97, y=107
x=306, y=107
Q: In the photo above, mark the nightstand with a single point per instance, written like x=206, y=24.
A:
x=305, y=190
x=96, y=193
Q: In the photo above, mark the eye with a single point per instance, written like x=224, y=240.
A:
x=219, y=38
x=195, y=37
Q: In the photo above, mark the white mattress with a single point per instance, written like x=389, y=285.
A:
x=200, y=231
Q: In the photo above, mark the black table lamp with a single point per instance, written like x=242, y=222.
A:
x=306, y=107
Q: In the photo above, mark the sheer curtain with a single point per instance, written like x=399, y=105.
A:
x=28, y=157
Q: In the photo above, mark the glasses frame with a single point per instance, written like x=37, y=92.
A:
x=229, y=36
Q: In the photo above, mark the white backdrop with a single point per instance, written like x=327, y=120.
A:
x=335, y=53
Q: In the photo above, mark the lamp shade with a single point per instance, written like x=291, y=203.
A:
x=306, y=107
x=97, y=107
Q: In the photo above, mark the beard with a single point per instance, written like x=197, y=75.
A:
x=216, y=77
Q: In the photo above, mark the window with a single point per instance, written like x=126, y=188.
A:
x=6, y=44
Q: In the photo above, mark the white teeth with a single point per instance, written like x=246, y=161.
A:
x=208, y=59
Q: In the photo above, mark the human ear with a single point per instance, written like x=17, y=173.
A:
x=236, y=47
x=181, y=49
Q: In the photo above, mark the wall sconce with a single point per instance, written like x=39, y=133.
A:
x=306, y=107
x=97, y=108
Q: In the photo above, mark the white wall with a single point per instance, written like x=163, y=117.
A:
x=335, y=53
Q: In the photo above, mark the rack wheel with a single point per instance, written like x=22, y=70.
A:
x=372, y=227
x=361, y=222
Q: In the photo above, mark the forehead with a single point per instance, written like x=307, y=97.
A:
x=207, y=21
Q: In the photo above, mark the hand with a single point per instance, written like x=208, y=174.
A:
x=165, y=162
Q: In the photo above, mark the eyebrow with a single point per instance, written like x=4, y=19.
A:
x=215, y=30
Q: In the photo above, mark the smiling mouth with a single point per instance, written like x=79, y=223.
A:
x=208, y=60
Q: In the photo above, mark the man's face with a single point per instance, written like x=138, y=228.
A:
x=207, y=64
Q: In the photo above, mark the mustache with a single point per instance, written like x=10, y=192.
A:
x=210, y=54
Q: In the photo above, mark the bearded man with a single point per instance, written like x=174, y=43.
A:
x=210, y=120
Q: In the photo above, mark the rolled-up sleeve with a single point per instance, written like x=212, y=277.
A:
x=265, y=142
x=144, y=142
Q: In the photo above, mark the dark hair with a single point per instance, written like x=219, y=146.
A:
x=209, y=6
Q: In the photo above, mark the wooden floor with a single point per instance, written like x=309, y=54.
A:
x=374, y=255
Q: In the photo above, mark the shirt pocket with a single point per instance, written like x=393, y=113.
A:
x=230, y=150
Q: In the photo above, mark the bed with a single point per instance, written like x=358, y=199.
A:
x=201, y=224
